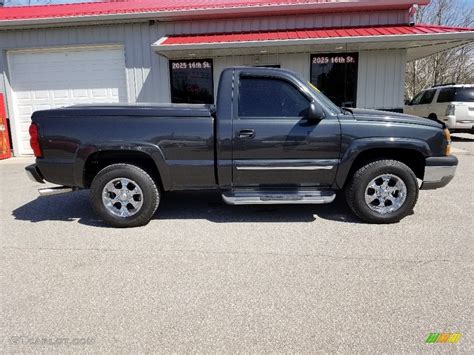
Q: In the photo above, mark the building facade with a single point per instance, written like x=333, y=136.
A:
x=122, y=52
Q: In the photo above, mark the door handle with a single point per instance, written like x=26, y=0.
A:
x=246, y=133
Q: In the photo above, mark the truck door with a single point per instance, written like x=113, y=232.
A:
x=273, y=143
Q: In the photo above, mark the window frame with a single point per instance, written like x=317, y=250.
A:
x=170, y=66
x=270, y=77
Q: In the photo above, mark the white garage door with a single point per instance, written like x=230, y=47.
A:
x=54, y=78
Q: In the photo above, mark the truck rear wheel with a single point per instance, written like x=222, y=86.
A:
x=124, y=196
x=384, y=191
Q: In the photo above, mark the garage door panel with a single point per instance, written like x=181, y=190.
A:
x=60, y=94
x=41, y=95
x=25, y=110
x=57, y=85
x=42, y=80
x=80, y=78
x=24, y=95
x=80, y=94
x=25, y=142
x=25, y=126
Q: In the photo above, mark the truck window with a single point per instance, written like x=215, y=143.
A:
x=465, y=94
x=270, y=98
x=427, y=97
x=416, y=99
x=446, y=95
x=456, y=94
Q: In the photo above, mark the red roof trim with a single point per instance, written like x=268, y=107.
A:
x=85, y=9
x=311, y=34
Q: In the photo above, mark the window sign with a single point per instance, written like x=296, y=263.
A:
x=192, y=81
x=336, y=76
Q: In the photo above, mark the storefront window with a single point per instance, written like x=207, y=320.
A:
x=336, y=76
x=192, y=81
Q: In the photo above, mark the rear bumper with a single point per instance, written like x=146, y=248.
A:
x=455, y=124
x=34, y=173
x=55, y=171
x=439, y=172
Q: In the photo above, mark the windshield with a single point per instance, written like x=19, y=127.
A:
x=324, y=98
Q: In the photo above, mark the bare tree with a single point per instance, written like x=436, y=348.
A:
x=451, y=66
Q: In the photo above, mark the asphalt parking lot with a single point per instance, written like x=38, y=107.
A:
x=203, y=276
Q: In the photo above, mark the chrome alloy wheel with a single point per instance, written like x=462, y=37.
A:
x=386, y=194
x=122, y=197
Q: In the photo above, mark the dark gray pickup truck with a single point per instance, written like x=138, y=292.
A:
x=271, y=139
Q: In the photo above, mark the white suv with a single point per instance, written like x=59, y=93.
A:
x=451, y=104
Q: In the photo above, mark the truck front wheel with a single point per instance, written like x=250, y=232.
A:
x=384, y=191
x=124, y=196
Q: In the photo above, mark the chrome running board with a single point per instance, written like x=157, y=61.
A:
x=278, y=197
x=49, y=191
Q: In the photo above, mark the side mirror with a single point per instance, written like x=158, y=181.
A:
x=315, y=112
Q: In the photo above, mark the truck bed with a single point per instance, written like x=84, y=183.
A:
x=141, y=109
x=173, y=135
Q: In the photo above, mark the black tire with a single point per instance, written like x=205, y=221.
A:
x=433, y=117
x=150, y=202
x=356, y=188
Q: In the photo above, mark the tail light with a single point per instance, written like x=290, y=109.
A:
x=34, y=140
x=447, y=136
x=451, y=110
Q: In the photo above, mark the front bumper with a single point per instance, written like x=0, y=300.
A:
x=439, y=172
x=34, y=174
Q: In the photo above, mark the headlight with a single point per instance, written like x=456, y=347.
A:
x=447, y=136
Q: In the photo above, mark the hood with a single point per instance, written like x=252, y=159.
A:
x=361, y=114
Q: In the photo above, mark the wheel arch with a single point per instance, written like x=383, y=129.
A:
x=410, y=152
x=90, y=160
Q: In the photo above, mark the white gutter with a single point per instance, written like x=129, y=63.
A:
x=162, y=48
x=311, y=7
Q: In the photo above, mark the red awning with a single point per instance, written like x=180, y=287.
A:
x=310, y=34
x=418, y=40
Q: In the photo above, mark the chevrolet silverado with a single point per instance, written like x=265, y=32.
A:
x=271, y=138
